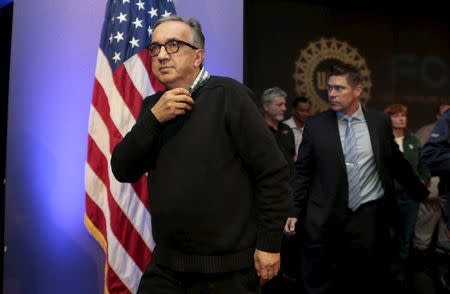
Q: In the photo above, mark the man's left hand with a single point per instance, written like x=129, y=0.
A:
x=267, y=265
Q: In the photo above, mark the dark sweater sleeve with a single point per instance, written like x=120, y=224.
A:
x=132, y=155
x=266, y=164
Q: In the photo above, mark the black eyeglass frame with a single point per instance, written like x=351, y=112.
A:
x=157, y=49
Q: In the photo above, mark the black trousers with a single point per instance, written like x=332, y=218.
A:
x=355, y=261
x=158, y=279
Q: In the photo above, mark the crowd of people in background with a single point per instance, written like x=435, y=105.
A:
x=419, y=244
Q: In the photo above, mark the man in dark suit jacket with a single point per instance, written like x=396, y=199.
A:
x=344, y=235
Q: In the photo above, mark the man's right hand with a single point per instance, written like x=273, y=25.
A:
x=289, y=228
x=267, y=265
x=173, y=103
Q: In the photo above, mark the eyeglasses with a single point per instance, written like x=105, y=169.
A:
x=171, y=46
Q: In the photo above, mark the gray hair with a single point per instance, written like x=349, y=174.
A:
x=270, y=94
x=198, y=39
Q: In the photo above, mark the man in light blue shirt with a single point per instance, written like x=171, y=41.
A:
x=342, y=188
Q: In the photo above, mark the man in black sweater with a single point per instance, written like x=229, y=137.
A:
x=217, y=182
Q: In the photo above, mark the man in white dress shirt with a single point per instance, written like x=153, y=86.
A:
x=301, y=110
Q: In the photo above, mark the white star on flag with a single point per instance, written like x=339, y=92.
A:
x=140, y=5
x=118, y=37
x=134, y=42
x=122, y=17
x=137, y=23
x=153, y=12
x=166, y=13
x=116, y=56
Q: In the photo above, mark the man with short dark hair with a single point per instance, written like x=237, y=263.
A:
x=342, y=185
x=301, y=110
x=217, y=182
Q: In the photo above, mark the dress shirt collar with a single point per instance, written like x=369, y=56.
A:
x=201, y=78
x=358, y=114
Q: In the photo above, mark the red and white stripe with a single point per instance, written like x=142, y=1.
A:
x=117, y=214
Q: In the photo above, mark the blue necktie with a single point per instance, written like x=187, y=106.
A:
x=352, y=165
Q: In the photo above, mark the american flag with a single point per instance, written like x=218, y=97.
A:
x=118, y=215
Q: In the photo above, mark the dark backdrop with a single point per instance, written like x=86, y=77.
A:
x=6, y=13
x=404, y=52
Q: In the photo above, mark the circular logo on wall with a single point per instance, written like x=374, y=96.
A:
x=311, y=67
